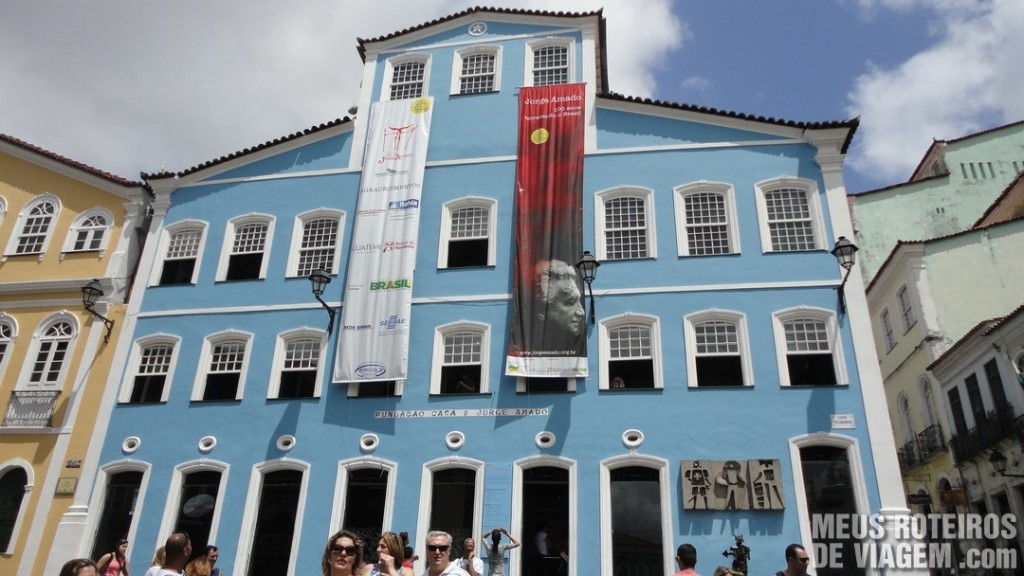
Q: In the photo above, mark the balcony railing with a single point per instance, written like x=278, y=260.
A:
x=930, y=442
x=908, y=456
x=996, y=426
x=30, y=408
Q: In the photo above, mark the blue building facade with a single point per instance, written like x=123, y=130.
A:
x=719, y=344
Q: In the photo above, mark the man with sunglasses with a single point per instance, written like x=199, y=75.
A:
x=797, y=561
x=438, y=560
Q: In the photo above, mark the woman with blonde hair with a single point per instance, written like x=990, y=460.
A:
x=343, y=555
x=390, y=556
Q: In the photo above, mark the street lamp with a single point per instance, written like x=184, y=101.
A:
x=92, y=292
x=319, y=279
x=998, y=463
x=844, y=251
x=588, y=268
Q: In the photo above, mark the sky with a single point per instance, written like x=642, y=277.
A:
x=132, y=86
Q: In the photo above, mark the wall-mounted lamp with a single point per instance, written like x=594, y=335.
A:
x=319, y=278
x=844, y=251
x=998, y=463
x=588, y=268
x=92, y=292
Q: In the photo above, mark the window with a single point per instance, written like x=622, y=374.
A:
x=718, y=352
x=887, y=332
x=297, y=368
x=705, y=219
x=807, y=348
x=630, y=353
x=271, y=523
x=461, y=354
x=549, y=62
x=222, y=372
x=198, y=490
x=467, y=233
x=548, y=495
x=789, y=213
x=35, y=226
x=183, y=248
x=8, y=331
x=245, y=252
x=636, y=517
x=14, y=483
x=120, y=505
x=625, y=224
x=364, y=496
x=89, y=231
x=452, y=499
x=316, y=242
x=476, y=71
x=906, y=308
x=52, y=344
x=407, y=77
x=531, y=385
x=155, y=359
x=956, y=408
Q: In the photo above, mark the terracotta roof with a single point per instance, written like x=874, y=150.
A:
x=851, y=123
x=889, y=258
x=984, y=328
x=920, y=163
x=983, y=132
x=1002, y=198
x=901, y=184
x=68, y=162
x=257, y=148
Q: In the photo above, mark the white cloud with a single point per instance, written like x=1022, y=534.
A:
x=133, y=86
x=968, y=80
x=695, y=84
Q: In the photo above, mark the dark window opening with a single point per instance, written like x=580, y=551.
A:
x=720, y=371
x=221, y=386
x=956, y=406
x=636, y=521
x=974, y=397
x=118, y=509
x=275, y=523
x=376, y=389
x=811, y=370
x=546, y=384
x=365, y=497
x=244, y=266
x=828, y=487
x=545, y=508
x=451, y=505
x=12, y=491
x=148, y=389
x=297, y=384
x=196, y=507
x=177, y=272
x=460, y=379
x=463, y=253
x=634, y=373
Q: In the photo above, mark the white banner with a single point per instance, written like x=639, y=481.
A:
x=374, y=340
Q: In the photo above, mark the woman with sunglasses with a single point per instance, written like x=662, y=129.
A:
x=343, y=555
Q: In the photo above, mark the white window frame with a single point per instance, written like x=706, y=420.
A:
x=570, y=385
x=728, y=194
x=341, y=488
x=17, y=229
x=33, y=352
x=128, y=386
x=209, y=344
x=853, y=456
x=165, y=240
x=888, y=333
x=297, y=230
x=604, y=196
x=779, y=318
x=653, y=324
x=460, y=55
x=19, y=519
x=568, y=43
x=11, y=322
x=519, y=467
x=813, y=205
x=437, y=361
x=280, y=351
x=690, y=323
x=452, y=206
x=99, y=496
x=906, y=303
x=251, y=511
x=173, y=501
x=3, y=209
x=389, y=74
x=928, y=414
x=634, y=459
x=77, y=226
x=426, y=491
x=230, y=230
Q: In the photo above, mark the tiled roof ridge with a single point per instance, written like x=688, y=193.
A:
x=983, y=132
x=985, y=327
x=560, y=14
x=68, y=161
x=899, y=184
x=849, y=123
x=311, y=130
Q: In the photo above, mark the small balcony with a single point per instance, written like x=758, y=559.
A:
x=930, y=442
x=30, y=409
x=908, y=456
x=998, y=424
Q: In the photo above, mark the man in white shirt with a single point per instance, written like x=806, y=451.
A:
x=438, y=561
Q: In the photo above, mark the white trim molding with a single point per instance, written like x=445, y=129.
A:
x=281, y=352
x=781, y=317
x=341, y=488
x=479, y=329
x=646, y=198
x=231, y=228
x=210, y=344
x=173, y=501
x=721, y=190
x=739, y=321
x=250, y=513
x=459, y=58
x=633, y=459
x=652, y=324
x=426, y=493
x=814, y=217
x=19, y=518
x=490, y=205
x=517, y=526
x=135, y=363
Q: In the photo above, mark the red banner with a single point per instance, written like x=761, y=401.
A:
x=549, y=336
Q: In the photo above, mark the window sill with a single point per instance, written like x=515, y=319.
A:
x=463, y=95
x=681, y=256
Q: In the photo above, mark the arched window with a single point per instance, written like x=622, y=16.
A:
x=625, y=224
x=635, y=507
x=364, y=496
x=195, y=501
x=706, y=219
x=807, y=348
x=630, y=348
x=717, y=353
x=272, y=520
x=223, y=366
x=154, y=361
x=452, y=499
x=790, y=215
x=34, y=226
x=182, y=249
x=14, y=483
x=476, y=70
x=461, y=359
x=316, y=242
x=467, y=233
x=549, y=61
x=246, y=248
x=406, y=76
x=50, y=352
x=90, y=231
x=120, y=504
x=298, y=364
x=8, y=332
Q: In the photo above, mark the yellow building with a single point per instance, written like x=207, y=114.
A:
x=62, y=225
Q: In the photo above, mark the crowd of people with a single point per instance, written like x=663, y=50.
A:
x=174, y=558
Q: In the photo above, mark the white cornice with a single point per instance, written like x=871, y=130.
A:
x=121, y=190
x=894, y=271
x=651, y=109
x=52, y=286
